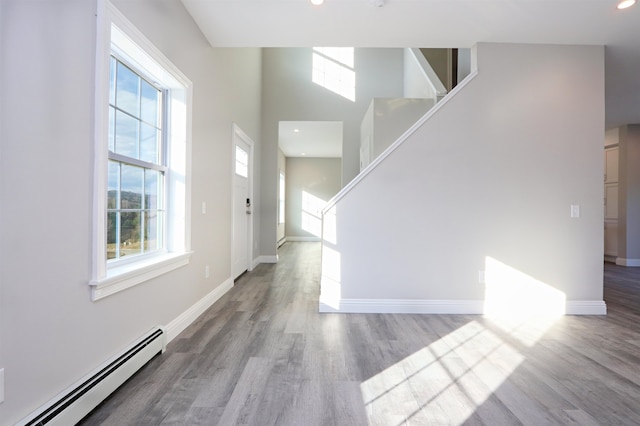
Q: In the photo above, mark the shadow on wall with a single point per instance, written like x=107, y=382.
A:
x=311, y=213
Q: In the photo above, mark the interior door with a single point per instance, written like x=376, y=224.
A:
x=242, y=206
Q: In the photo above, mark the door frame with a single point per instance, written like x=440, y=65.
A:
x=239, y=135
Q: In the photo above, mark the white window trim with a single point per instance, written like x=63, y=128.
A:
x=107, y=280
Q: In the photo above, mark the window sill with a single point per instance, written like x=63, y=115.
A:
x=126, y=276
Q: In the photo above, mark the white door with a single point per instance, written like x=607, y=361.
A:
x=242, y=203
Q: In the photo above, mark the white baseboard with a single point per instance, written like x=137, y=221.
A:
x=282, y=241
x=472, y=307
x=405, y=306
x=185, y=319
x=255, y=263
x=266, y=259
x=304, y=239
x=627, y=262
x=585, y=307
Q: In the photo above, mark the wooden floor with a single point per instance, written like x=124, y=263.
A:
x=263, y=355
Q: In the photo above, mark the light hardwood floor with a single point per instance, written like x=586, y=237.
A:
x=263, y=355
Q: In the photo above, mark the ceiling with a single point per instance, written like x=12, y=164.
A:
x=439, y=23
x=310, y=138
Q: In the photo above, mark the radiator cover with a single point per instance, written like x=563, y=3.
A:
x=71, y=405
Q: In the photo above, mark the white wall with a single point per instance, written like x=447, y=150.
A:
x=491, y=175
x=290, y=95
x=416, y=83
x=464, y=64
x=311, y=182
x=282, y=168
x=51, y=332
x=393, y=117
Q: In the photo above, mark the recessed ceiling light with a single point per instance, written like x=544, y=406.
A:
x=296, y=130
x=303, y=154
x=626, y=3
x=316, y=2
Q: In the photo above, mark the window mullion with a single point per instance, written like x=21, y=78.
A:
x=135, y=162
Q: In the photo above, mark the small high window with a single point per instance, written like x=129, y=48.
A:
x=242, y=162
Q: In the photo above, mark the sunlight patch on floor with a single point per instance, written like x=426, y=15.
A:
x=443, y=383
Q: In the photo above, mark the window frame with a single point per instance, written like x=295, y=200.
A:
x=117, y=36
x=159, y=166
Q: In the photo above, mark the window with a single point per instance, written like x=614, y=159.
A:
x=136, y=170
x=242, y=162
x=281, y=206
x=333, y=69
x=142, y=185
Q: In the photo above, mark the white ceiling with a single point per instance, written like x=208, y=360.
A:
x=310, y=138
x=438, y=23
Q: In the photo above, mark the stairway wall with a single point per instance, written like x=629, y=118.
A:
x=484, y=185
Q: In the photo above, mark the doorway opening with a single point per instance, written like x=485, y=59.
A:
x=310, y=170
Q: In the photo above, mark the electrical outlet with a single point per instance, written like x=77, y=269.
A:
x=204, y=207
x=481, y=277
x=207, y=271
x=1, y=385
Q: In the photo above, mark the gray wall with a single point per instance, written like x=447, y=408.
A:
x=290, y=95
x=51, y=333
x=491, y=175
x=464, y=64
x=317, y=177
x=629, y=194
x=440, y=61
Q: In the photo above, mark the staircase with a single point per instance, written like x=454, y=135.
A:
x=480, y=185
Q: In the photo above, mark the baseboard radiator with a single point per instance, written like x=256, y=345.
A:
x=77, y=401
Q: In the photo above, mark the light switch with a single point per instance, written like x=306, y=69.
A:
x=575, y=211
x=204, y=207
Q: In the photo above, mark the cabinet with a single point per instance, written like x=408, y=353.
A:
x=611, y=202
x=611, y=165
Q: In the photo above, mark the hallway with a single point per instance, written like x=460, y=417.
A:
x=263, y=355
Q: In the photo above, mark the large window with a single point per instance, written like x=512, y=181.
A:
x=135, y=209
x=141, y=188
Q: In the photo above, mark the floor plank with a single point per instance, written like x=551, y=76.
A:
x=263, y=355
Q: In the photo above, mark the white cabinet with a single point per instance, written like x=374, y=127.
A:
x=611, y=165
x=611, y=202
